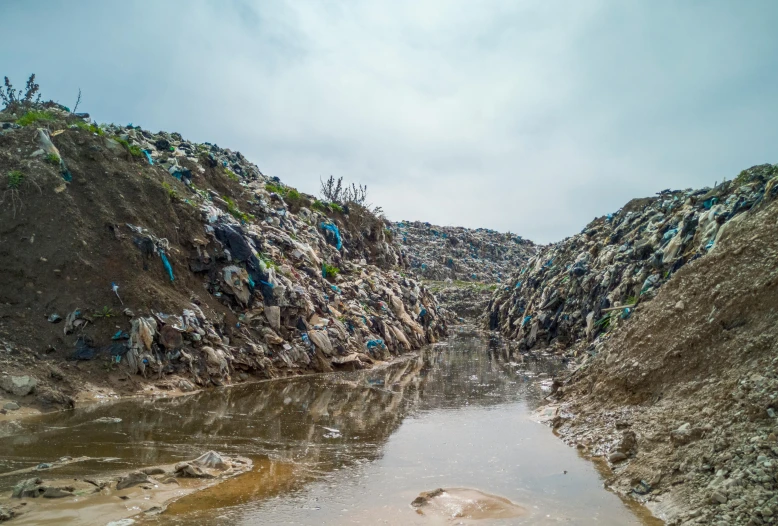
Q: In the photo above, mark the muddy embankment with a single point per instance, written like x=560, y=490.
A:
x=675, y=387
x=141, y=263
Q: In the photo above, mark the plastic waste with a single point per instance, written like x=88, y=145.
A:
x=336, y=241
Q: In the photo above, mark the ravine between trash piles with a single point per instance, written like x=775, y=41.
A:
x=341, y=448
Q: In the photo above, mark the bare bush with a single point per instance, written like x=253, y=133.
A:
x=13, y=97
x=333, y=191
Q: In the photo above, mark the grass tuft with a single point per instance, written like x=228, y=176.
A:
x=329, y=270
x=235, y=212
x=15, y=179
x=135, y=151
x=33, y=116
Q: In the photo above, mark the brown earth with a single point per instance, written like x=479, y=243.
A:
x=64, y=244
x=682, y=400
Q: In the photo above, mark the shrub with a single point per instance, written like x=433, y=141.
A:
x=335, y=207
x=275, y=188
x=13, y=97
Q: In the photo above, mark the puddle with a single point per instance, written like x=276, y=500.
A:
x=348, y=448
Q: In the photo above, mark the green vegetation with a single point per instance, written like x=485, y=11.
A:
x=52, y=159
x=604, y=322
x=329, y=270
x=277, y=188
x=318, y=205
x=232, y=175
x=171, y=192
x=291, y=195
x=107, y=312
x=33, y=116
x=15, y=178
x=269, y=263
x=335, y=207
x=91, y=128
x=135, y=151
x=235, y=212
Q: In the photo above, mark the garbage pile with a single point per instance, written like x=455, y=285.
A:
x=466, y=300
x=587, y=284
x=439, y=253
x=194, y=264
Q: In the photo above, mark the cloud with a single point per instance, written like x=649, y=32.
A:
x=533, y=117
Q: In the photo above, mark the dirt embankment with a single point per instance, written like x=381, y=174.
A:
x=137, y=262
x=682, y=399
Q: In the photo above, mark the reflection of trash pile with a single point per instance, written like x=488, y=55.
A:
x=193, y=263
x=438, y=252
x=588, y=283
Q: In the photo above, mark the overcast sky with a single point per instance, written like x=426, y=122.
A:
x=528, y=116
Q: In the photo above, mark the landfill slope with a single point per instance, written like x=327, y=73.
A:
x=138, y=262
x=682, y=400
x=571, y=291
x=459, y=262
x=668, y=309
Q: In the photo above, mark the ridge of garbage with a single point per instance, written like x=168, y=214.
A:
x=188, y=264
x=574, y=290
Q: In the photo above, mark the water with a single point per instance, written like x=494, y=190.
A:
x=351, y=448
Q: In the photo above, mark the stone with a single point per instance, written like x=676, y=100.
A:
x=6, y=514
x=28, y=488
x=154, y=471
x=133, y=479
x=52, y=492
x=18, y=385
x=718, y=498
x=11, y=406
x=616, y=457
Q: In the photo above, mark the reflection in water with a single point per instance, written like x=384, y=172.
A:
x=313, y=437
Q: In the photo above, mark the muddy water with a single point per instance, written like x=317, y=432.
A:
x=347, y=448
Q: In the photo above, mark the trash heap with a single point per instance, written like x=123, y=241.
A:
x=439, y=253
x=587, y=284
x=182, y=260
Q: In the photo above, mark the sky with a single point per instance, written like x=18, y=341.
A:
x=532, y=117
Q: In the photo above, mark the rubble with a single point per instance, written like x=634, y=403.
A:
x=590, y=283
x=224, y=271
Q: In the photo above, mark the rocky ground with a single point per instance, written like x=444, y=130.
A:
x=139, y=262
x=680, y=396
x=113, y=498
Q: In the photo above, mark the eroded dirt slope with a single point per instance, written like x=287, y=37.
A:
x=682, y=400
x=223, y=274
